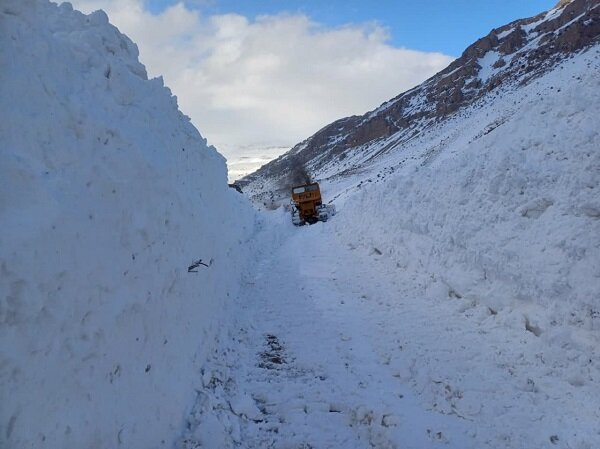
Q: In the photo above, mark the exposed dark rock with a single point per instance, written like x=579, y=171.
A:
x=499, y=63
x=513, y=42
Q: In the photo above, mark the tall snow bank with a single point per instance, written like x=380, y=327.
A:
x=500, y=207
x=108, y=195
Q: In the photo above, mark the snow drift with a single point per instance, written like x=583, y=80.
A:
x=108, y=195
x=500, y=204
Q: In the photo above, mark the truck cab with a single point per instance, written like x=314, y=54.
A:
x=307, y=204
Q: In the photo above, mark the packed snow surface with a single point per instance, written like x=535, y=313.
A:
x=108, y=195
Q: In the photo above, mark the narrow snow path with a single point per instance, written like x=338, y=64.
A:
x=313, y=362
x=337, y=348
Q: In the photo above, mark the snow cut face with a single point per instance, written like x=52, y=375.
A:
x=108, y=195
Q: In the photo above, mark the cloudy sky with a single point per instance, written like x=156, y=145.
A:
x=257, y=77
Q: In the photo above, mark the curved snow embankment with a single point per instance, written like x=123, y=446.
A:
x=505, y=214
x=108, y=195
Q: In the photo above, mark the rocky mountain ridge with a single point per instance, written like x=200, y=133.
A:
x=508, y=57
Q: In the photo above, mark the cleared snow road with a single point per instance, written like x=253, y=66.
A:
x=314, y=363
x=337, y=349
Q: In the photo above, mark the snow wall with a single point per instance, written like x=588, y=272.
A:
x=108, y=195
x=499, y=207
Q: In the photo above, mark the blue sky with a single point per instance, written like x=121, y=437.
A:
x=446, y=26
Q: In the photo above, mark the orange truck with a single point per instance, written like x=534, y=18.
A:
x=307, y=205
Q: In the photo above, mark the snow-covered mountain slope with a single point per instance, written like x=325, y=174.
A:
x=108, y=195
x=507, y=58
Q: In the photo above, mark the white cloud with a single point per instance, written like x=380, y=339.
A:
x=269, y=81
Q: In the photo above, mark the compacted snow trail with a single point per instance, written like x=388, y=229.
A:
x=311, y=362
x=338, y=348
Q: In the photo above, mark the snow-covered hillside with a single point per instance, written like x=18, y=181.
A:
x=108, y=195
x=510, y=56
x=500, y=205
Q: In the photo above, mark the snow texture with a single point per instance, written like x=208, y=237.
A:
x=501, y=203
x=108, y=195
x=453, y=301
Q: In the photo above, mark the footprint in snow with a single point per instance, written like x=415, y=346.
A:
x=273, y=356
